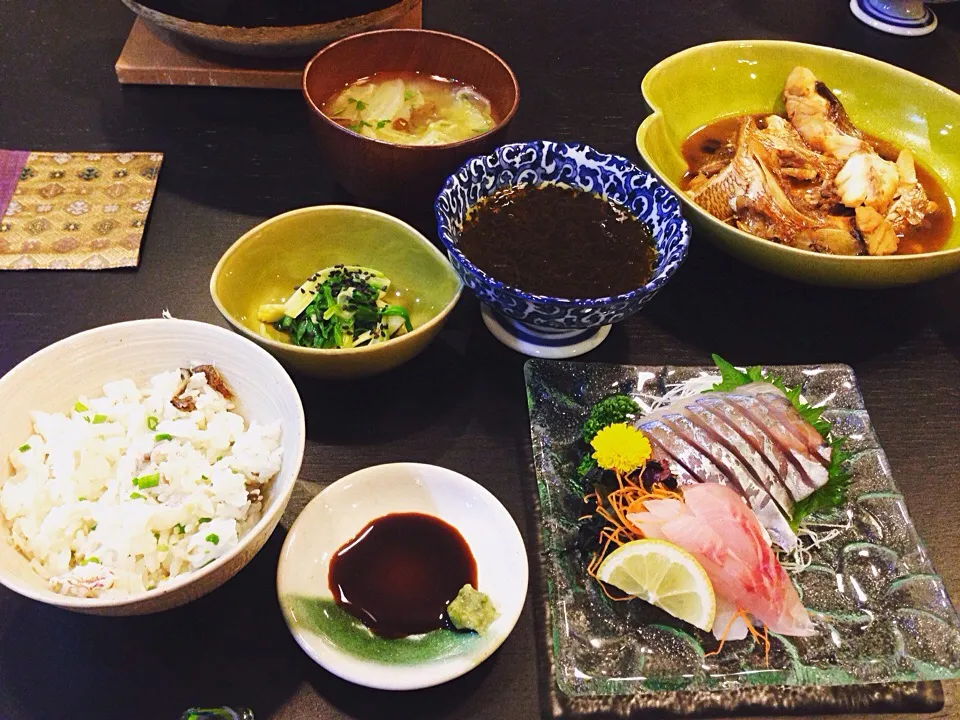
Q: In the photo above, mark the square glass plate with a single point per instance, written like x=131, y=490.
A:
x=882, y=613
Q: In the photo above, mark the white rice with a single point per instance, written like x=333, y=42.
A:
x=75, y=509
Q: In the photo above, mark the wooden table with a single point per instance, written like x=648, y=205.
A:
x=235, y=157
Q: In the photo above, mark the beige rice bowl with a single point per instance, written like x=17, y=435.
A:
x=125, y=492
x=142, y=464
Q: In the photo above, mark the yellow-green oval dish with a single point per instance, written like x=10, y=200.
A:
x=269, y=261
x=698, y=85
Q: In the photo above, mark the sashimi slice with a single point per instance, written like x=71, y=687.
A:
x=804, y=431
x=747, y=454
x=808, y=464
x=714, y=524
x=695, y=463
x=736, y=630
x=797, y=484
x=679, y=472
x=778, y=403
x=739, y=477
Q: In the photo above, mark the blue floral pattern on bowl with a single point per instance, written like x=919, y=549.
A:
x=579, y=166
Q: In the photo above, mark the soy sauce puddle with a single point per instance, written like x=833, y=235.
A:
x=400, y=572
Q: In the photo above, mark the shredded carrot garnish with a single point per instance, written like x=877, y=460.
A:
x=762, y=638
x=630, y=497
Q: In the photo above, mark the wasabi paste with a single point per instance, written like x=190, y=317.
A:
x=472, y=610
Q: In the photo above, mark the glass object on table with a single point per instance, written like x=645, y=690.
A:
x=882, y=614
x=218, y=713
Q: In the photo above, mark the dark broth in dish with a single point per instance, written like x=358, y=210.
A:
x=400, y=572
x=714, y=143
x=557, y=241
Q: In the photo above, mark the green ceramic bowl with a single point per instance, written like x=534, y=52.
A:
x=267, y=263
x=694, y=87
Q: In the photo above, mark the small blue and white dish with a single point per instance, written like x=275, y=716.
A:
x=551, y=327
x=897, y=17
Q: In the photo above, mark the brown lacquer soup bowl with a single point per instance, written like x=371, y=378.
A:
x=392, y=174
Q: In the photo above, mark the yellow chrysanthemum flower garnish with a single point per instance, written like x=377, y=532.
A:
x=621, y=447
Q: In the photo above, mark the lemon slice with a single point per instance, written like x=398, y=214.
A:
x=663, y=575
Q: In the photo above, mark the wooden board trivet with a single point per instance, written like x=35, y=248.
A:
x=153, y=57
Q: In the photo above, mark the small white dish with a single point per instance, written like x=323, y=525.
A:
x=338, y=514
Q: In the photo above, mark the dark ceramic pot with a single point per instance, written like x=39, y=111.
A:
x=288, y=41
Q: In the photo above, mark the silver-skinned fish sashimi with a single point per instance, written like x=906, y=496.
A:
x=752, y=440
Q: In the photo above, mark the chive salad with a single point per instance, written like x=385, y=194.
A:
x=342, y=306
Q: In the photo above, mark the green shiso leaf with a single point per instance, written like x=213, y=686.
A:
x=730, y=377
x=834, y=492
x=587, y=463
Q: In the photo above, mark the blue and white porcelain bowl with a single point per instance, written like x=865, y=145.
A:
x=553, y=327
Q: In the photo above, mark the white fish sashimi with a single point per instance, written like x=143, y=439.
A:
x=715, y=525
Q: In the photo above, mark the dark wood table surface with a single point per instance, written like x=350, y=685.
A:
x=235, y=157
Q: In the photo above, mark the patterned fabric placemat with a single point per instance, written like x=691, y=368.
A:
x=74, y=211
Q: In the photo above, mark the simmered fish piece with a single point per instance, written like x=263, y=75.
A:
x=794, y=158
x=867, y=179
x=818, y=116
x=911, y=204
x=749, y=193
x=832, y=241
x=715, y=192
x=886, y=196
x=812, y=181
x=878, y=233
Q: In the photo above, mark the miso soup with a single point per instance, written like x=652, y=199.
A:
x=408, y=108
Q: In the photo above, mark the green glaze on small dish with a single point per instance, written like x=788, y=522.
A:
x=698, y=85
x=338, y=641
x=274, y=258
x=323, y=617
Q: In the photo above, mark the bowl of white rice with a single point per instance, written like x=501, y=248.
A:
x=142, y=464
